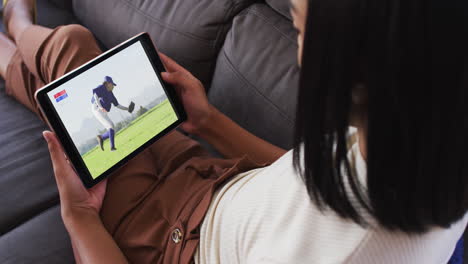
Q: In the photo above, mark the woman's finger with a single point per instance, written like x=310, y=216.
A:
x=178, y=79
x=56, y=153
x=57, y=156
x=170, y=64
x=68, y=182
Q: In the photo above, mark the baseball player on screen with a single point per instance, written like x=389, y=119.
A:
x=102, y=101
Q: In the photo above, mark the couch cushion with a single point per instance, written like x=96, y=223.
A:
x=61, y=5
x=281, y=6
x=256, y=77
x=27, y=185
x=53, y=13
x=43, y=239
x=190, y=31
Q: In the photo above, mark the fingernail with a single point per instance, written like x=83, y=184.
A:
x=165, y=74
x=45, y=134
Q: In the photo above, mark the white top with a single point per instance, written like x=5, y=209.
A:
x=266, y=216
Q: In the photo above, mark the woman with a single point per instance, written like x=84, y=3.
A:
x=392, y=191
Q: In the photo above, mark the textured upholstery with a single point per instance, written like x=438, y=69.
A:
x=255, y=81
x=42, y=239
x=27, y=186
x=52, y=13
x=190, y=31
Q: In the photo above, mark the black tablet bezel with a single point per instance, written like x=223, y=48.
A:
x=58, y=127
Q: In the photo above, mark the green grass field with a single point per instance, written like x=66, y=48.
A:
x=130, y=138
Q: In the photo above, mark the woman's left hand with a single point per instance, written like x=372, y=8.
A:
x=75, y=199
x=192, y=94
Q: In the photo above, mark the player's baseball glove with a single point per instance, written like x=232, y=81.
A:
x=131, y=107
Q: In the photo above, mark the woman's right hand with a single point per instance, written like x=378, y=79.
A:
x=75, y=200
x=192, y=94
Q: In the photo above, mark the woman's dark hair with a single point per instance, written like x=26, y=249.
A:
x=411, y=56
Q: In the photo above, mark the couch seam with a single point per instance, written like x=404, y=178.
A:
x=224, y=30
x=229, y=19
x=165, y=25
x=260, y=16
x=277, y=10
x=218, y=43
x=256, y=90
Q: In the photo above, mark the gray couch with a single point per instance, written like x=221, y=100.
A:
x=244, y=51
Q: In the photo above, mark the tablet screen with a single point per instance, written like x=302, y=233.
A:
x=94, y=108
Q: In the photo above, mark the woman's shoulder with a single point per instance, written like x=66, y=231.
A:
x=274, y=202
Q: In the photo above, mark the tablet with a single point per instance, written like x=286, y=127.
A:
x=107, y=111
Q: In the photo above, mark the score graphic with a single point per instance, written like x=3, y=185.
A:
x=60, y=96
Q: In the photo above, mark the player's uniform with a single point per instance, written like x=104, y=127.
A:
x=106, y=100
